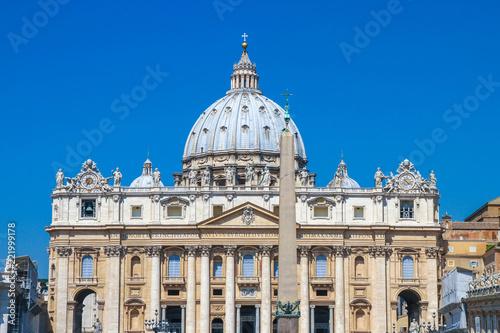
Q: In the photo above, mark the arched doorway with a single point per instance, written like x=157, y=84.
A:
x=85, y=312
x=408, y=308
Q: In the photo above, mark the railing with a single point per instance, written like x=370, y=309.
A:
x=217, y=279
x=135, y=279
x=321, y=280
x=248, y=280
x=173, y=280
x=408, y=281
x=86, y=280
x=484, y=291
x=274, y=279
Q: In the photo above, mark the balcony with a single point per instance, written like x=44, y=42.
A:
x=360, y=280
x=218, y=280
x=135, y=280
x=408, y=281
x=321, y=281
x=249, y=281
x=86, y=281
x=173, y=281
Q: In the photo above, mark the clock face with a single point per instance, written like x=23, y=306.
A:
x=89, y=180
x=407, y=181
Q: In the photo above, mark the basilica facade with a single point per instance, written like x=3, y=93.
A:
x=203, y=253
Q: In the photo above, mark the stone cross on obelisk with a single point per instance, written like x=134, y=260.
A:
x=287, y=306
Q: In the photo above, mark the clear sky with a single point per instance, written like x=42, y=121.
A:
x=378, y=80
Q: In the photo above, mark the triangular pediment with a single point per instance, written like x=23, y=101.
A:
x=247, y=215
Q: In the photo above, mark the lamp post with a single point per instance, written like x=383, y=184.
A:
x=393, y=328
x=157, y=326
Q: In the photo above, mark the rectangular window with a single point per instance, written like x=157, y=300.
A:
x=217, y=292
x=472, y=249
x=218, y=268
x=320, y=212
x=275, y=292
x=275, y=268
x=451, y=263
x=276, y=210
x=136, y=212
x=321, y=292
x=473, y=263
x=174, y=292
x=450, y=248
x=88, y=208
x=406, y=209
x=359, y=213
x=217, y=210
x=174, y=211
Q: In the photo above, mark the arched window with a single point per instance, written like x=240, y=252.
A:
x=217, y=325
x=276, y=265
x=359, y=266
x=174, y=266
x=135, y=321
x=135, y=267
x=407, y=267
x=248, y=265
x=217, y=266
x=87, y=267
x=321, y=266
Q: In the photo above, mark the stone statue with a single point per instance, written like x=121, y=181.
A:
x=156, y=177
x=97, y=326
x=338, y=178
x=432, y=178
x=391, y=183
x=60, y=179
x=249, y=174
x=177, y=180
x=414, y=326
x=70, y=183
x=266, y=178
x=193, y=177
x=207, y=176
x=303, y=175
x=229, y=175
x=118, y=177
x=379, y=177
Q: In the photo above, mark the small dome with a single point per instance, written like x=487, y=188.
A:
x=341, y=178
x=146, y=178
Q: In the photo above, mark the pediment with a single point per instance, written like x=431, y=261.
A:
x=247, y=215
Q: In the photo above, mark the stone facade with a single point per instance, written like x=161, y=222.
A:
x=204, y=252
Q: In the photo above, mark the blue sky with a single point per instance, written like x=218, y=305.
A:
x=377, y=80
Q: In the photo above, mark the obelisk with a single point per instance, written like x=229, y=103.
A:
x=287, y=307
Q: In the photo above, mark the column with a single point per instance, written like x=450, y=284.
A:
x=229, y=321
x=312, y=317
x=183, y=318
x=380, y=291
x=257, y=318
x=153, y=252
x=304, y=287
x=238, y=323
x=265, y=322
x=432, y=277
x=495, y=323
x=113, y=254
x=163, y=312
x=191, y=289
x=330, y=320
x=488, y=323
x=205, y=289
x=339, y=289
x=63, y=254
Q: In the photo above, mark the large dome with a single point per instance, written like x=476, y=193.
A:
x=243, y=120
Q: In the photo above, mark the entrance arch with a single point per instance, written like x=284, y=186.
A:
x=408, y=308
x=85, y=311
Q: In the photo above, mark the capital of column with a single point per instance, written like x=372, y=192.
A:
x=265, y=250
x=380, y=251
x=153, y=250
x=230, y=249
x=312, y=306
x=304, y=250
x=341, y=250
x=331, y=306
x=432, y=251
x=64, y=251
x=257, y=306
x=205, y=250
x=191, y=250
x=238, y=306
x=183, y=306
x=114, y=250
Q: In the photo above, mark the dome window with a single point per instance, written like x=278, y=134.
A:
x=205, y=130
x=244, y=128
x=277, y=112
x=223, y=129
x=228, y=109
x=266, y=132
x=214, y=111
x=262, y=109
x=244, y=108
